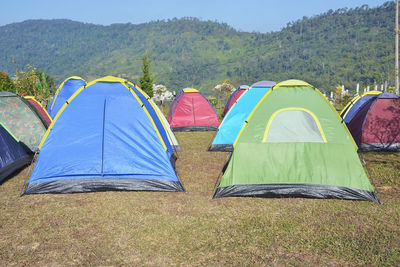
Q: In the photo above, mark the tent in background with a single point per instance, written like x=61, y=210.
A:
x=66, y=89
x=235, y=118
x=107, y=136
x=39, y=108
x=22, y=119
x=356, y=103
x=234, y=97
x=374, y=122
x=191, y=111
x=13, y=156
x=294, y=144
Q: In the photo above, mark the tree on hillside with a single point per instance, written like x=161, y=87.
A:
x=337, y=47
x=146, y=81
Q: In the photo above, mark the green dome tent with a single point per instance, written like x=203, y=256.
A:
x=295, y=144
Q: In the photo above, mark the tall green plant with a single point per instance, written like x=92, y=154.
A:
x=33, y=82
x=146, y=81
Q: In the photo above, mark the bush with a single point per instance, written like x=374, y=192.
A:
x=33, y=82
x=5, y=83
x=213, y=101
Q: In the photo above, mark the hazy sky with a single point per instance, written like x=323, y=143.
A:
x=245, y=15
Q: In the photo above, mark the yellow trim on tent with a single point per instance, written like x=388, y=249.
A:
x=293, y=108
x=151, y=103
x=8, y=130
x=351, y=102
x=338, y=116
x=293, y=82
x=251, y=114
x=60, y=111
x=61, y=85
x=111, y=79
x=190, y=90
x=104, y=79
x=147, y=113
x=355, y=99
x=290, y=83
x=34, y=99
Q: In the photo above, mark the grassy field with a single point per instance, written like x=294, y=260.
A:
x=148, y=228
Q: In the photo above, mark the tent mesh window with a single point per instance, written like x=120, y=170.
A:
x=291, y=126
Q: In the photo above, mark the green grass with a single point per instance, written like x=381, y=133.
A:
x=149, y=228
x=384, y=167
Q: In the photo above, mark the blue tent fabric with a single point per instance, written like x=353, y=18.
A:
x=156, y=119
x=237, y=115
x=69, y=87
x=387, y=95
x=13, y=155
x=357, y=106
x=104, y=140
x=263, y=84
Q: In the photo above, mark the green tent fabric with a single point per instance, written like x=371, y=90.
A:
x=23, y=120
x=294, y=144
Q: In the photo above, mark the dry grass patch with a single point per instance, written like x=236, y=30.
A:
x=150, y=228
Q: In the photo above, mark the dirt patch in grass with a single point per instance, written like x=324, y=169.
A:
x=150, y=228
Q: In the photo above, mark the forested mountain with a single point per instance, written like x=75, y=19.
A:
x=345, y=46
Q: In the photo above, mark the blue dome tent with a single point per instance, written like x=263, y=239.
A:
x=13, y=155
x=234, y=97
x=109, y=137
x=358, y=102
x=67, y=88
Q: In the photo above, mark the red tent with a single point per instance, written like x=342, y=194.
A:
x=376, y=125
x=234, y=97
x=191, y=111
x=39, y=108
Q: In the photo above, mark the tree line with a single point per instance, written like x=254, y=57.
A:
x=346, y=46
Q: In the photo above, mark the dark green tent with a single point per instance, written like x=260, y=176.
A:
x=295, y=144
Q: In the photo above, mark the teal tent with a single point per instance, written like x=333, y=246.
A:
x=234, y=119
